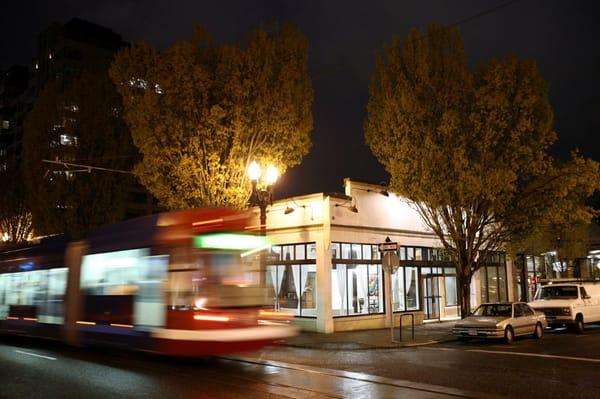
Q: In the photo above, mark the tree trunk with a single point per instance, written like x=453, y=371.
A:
x=464, y=292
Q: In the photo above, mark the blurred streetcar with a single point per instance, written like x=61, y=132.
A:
x=184, y=283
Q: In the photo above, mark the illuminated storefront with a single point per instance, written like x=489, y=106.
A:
x=325, y=264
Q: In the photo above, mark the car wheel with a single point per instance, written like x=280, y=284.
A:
x=538, y=332
x=509, y=335
x=579, y=325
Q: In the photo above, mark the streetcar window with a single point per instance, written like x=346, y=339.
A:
x=53, y=309
x=131, y=273
x=195, y=279
x=36, y=293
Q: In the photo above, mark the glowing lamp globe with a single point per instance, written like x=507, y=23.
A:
x=254, y=171
x=271, y=175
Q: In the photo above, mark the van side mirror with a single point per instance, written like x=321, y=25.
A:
x=587, y=297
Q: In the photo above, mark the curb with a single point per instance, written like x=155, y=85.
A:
x=361, y=346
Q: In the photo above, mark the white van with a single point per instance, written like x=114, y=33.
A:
x=571, y=304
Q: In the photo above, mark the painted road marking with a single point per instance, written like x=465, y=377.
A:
x=440, y=348
x=580, y=359
x=35, y=355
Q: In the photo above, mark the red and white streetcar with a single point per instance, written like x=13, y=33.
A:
x=184, y=283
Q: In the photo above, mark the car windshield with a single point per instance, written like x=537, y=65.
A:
x=493, y=310
x=556, y=292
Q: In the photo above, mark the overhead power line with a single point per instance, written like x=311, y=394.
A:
x=462, y=21
x=85, y=168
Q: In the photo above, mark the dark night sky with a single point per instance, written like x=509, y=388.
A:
x=344, y=36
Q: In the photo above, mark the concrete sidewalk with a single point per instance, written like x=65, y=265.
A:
x=425, y=334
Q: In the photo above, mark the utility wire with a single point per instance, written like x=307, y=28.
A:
x=86, y=168
x=465, y=20
x=484, y=12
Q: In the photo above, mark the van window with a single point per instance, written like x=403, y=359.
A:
x=556, y=292
x=582, y=292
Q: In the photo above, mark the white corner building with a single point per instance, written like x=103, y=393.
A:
x=325, y=265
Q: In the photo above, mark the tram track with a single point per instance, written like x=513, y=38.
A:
x=408, y=388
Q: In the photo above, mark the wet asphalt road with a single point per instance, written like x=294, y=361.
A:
x=561, y=365
x=37, y=369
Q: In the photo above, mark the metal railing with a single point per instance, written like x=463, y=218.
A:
x=412, y=320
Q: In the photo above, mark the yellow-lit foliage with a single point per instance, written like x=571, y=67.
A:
x=469, y=147
x=200, y=113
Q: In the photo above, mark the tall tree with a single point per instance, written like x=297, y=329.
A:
x=15, y=218
x=200, y=113
x=469, y=148
x=78, y=123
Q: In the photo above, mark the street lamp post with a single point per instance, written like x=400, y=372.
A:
x=262, y=196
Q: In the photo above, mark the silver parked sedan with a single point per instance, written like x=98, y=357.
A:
x=501, y=320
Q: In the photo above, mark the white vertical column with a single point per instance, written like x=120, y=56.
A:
x=324, y=309
x=511, y=280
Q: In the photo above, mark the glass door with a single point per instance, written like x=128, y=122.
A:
x=432, y=296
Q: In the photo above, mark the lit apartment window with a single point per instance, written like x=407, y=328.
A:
x=68, y=140
x=72, y=107
x=138, y=83
x=5, y=124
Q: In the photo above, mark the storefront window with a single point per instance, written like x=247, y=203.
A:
x=450, y=284
x=502, y=296
x=346, y=251
x=288, y=295
x=292, y=281
x=356, y=289
x=311, y=251
x=339, y=285
x=335, y=251
x=493, y=282
x=412, y=288
x=287, y=252
x=418, y=254
x=399, y=297
x=405, y=287
x=300, y=251
x=356, y=280
x=366, y=252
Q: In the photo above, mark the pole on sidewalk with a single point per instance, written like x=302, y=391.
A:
x=390, y=263
x=388, y=301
